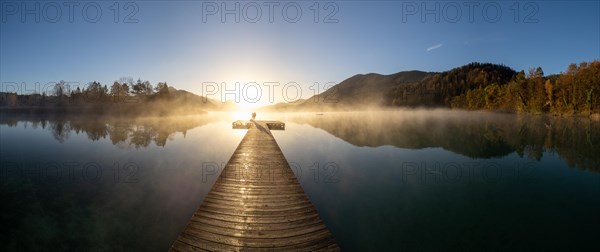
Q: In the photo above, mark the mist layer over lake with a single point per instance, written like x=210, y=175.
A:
x=380, y=180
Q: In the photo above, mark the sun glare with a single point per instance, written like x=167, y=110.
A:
x=247, y=106
x=241, y=115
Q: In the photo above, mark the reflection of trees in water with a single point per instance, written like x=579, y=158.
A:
x=141, y=136
x=44, y=212
x=577, y=142
x=473, y=134
x=95, y=130
x=137, y=132
x=60, y=130
x=118, y=132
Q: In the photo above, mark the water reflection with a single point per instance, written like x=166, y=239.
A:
x=370, y=202
x=105, y=184
x=123, y=132
x=449, y=180
x=472, y=134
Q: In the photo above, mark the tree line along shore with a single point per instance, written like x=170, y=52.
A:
x=475, y=86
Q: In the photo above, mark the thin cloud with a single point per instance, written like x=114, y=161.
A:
x=434, y=47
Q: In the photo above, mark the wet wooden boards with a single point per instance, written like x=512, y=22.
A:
x=256, y=204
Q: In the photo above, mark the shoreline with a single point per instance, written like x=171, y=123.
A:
x=135, y=111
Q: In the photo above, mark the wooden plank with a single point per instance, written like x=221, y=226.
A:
x=258, y=226
x=256, y=219
x=256, y=204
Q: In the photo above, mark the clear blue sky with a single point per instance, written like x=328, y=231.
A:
x=171, y=42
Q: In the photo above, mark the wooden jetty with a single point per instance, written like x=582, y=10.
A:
x=272, y=125
x=256, y=204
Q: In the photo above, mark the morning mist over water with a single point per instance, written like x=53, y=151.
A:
x=460, y=172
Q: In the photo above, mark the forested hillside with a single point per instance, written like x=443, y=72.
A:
x=440, y=89
x=496, y=87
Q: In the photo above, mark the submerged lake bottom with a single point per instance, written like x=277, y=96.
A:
x=392, y=180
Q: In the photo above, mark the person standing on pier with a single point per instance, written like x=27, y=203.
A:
x=253, y=115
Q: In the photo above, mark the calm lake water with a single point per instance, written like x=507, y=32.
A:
x=412, y=180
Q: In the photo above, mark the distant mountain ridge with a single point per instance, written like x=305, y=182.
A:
x=407, y=89
x=369, y=89
x=358, y=91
